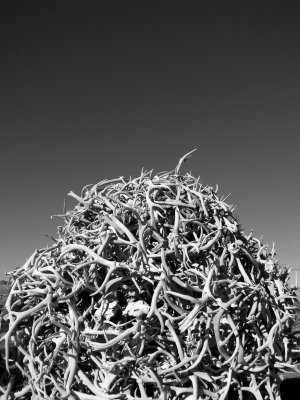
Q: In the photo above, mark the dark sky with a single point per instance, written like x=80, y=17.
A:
x=95, y=90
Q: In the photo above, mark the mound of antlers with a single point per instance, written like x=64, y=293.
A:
x=151, y=291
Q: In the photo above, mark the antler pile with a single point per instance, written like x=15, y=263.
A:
x=150, y=291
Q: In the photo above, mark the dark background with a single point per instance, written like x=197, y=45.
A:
x=94, y=90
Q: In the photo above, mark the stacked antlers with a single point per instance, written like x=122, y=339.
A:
x=151, y=291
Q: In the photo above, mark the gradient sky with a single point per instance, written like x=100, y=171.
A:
x=94, y=90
